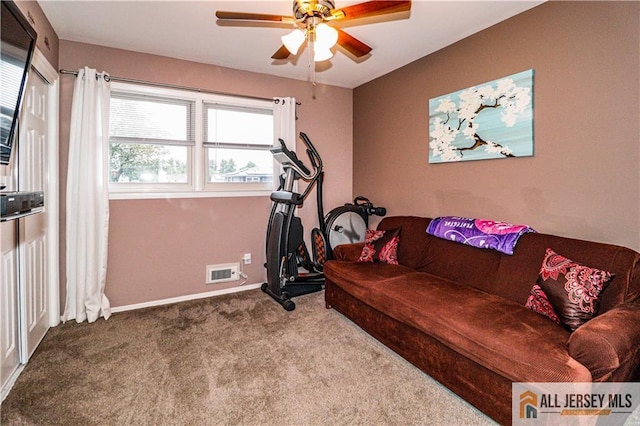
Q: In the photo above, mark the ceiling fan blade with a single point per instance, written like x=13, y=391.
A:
x=352, y=44
x=371, y=8
x=220, y=14
x=282, y=53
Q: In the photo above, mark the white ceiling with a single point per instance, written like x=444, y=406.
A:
x=189, y=30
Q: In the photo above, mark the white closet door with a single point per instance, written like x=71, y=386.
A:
x=32, y=175
x=9, y=343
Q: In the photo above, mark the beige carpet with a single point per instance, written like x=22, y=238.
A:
x=233, y=359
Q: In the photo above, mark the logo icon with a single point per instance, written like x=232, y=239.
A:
x=528, y=405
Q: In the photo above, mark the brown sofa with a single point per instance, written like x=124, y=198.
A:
x=458, y=312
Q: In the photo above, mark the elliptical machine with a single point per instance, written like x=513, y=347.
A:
x=286, y=249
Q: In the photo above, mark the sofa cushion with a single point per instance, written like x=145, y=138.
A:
x=350, y=252
x=516, y=274
x=447, y=259
x=381, y=246
x=500, y=335
x=413, y=251
x=357, y=278
x=571, y=288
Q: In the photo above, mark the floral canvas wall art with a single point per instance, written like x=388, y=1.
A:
x=487, y=121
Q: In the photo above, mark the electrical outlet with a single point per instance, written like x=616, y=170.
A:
x=246, y=258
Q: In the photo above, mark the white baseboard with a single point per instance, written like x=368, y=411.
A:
x=185, y=298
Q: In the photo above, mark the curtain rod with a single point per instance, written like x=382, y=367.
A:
x=170, y=86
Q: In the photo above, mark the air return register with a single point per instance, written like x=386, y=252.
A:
x=222, y=273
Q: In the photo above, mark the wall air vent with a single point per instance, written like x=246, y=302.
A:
x=222, y=273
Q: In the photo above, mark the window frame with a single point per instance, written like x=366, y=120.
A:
x=197, y=185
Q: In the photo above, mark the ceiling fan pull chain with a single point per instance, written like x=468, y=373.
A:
x=312, y=64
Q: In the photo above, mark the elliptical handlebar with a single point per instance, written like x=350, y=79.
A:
x=315, y=158
x=368, y=206
x=289, y=159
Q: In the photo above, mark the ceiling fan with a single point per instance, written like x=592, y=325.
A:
x=313, y=20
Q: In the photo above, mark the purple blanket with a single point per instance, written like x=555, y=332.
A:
x=479, y=233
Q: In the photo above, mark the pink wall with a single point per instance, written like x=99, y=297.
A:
x=47, y=38
x=159, y=248
x=584, y=178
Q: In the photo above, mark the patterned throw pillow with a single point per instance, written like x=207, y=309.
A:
x=566, y=291
x=539, y=303
x=381, y=246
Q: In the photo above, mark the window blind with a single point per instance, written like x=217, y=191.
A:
x=227, y=126
x=153, y=120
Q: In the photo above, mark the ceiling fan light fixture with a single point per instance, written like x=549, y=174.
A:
x=326, y=36
x=309, y=16
x=293, y=41
x=321, y=53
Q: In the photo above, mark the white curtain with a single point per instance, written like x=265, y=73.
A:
x=87, y=204
x=284, y=119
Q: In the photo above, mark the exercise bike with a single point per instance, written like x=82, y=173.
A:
x=286, y=249
x=348, y=224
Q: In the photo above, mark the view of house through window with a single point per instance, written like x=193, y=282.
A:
x=172, y=140
x=238, y=142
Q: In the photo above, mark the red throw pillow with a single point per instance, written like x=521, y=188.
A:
x=571, y=290
x=539, y=303
x=381, y=246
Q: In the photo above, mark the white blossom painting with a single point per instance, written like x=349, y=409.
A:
x=491, y=120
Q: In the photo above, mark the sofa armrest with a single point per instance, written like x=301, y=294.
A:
x=348, y=252
x=608, y=344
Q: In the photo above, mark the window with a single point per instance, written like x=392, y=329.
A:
x=176, y=141
x=150, y=139
x=237, y=142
